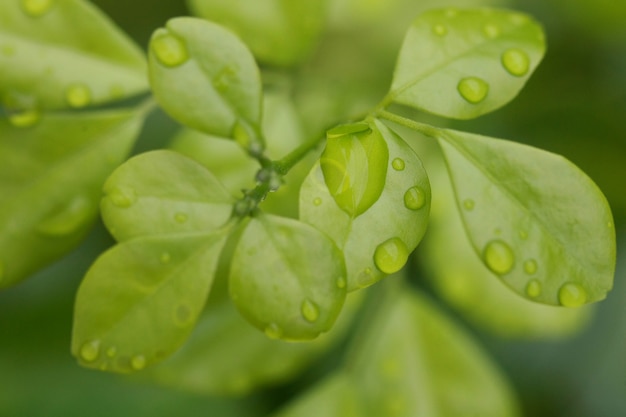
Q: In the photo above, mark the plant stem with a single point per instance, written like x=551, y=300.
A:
x=423, y=128
x=283, y=165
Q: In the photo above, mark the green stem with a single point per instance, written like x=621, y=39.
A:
x=423, y=128
x=283, y=166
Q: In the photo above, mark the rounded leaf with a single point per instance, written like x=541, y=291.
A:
x=287, y=278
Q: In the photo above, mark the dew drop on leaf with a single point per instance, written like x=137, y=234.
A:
x=491, y=31
x=530, y=266
x=90, y=351
x=24, y=118
x=499, y=257
x=36, y=8
x=572, y=295
x=317, y=201
x=473, y=89
x=398, y=164
x=138, y=362
x=391, y=255
x=273, y=331
x=440, y=30
x=468, y=204
x=224, y=78
x=122, y=197
x=181, y=217
x=78, y=95
x=309, y=311
x=69, y=219
x=516, y=62
x=169, y=50
x=414, y=198
x=533, y=288
x=111, y=351
x=341, y=282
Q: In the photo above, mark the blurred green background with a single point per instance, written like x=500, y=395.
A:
x=575, y=105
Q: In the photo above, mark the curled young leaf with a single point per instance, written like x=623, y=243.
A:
x=83, y=58
x=287, y=278
x=379, y=241
x=535, y=219
x=465, y=63
x=206, y=78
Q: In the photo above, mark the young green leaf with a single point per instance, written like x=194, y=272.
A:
x=465, y=63
x=287, y=278
x=206, y=78
x=163, y=192
x=536, y=220
x=50, y=183
x=140, y=300
x=279, y=32
x=82, y=56
x=379, y=241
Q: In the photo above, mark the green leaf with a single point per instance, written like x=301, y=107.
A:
x=64, y=54
x=379, y=241
x=536, y=220
x=279, y=32
x=162, y=192
x=50, y=179
x=140, y=300
x=466, y=63
x=206, y=78
x=287, y=278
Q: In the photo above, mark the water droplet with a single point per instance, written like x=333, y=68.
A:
x=111, y=351
x=516, y=62
x=183, y=315
x=473, y=89
x=398, y=164
x=138, y=362
x=76, y=213
x=165, y=257
x=523, y=235
x=317, y=201
x=25, y=118
x=273, y=331
x=391, y=255
x=309, y=311
x=440, y=30
x=341, y=281
x=36, y=8
x=414, y=198
x=224, y=78
x=530, y=266
x=90, y=351
x=610, y=225
x=572, y=295
x=169, y=50
x=491, y=31
x=533, y=288
x=499, y=257
x=122, y=197
x=78, y=95
x=469, y=204
x=181, y=217
x=365, y=278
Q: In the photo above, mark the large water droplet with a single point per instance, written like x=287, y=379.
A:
x=25, y=118
x=530, y=266
x=414, y=198
x=273, y=331
x=398, y=164
x=122, y=197
x=68, y=219
x=533, y=288
x=473, y=89
x=440, y=30
x=138, y=362
x=499, y=257
x=169, y=50
x=309, y=311
x=516, y=62
x=36, y=8
x=491, y=31
x=90, y=351
x=469, y=204
x=78, y=95
x=572, y=295
x=391, y=255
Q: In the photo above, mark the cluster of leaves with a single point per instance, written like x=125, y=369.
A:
x=191, y=254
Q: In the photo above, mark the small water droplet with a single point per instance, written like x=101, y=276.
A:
x=341, y=281
x=181, y=217
x=25, y=118
x=169, y=50
x=8, y=50
x=440, y=30
x=90, y=351
x=122, y=197
x=516, y=62
x=273, y=331
x=491, y=31
x=183, y=315
x=364, y=278
x=398, y=164
x=309, y=311
x=317, y=201
x=414, y=198
x=572, y=295
x=224, y=78
x=36, y=8
x=533, y=288
x=111, y=351
x=473, y=89
x=78, y=95
x=391, y=255
x=610, y=225
x=523, y=235
x=469, y=204
x=138, y=362
x=530, y=266
x=68, y=219
x=499, y=257
x=165, y=257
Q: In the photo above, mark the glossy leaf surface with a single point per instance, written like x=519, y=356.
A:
x=162, y=192
x=50, y=183
x=287, y=278
x=465, y=63
x=206, y=78
x=140, y=300
x=279, y=32
x=379, y=241
x=536, y=220
x=82, y=56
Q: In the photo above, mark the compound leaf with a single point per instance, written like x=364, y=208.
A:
x=465, y=63
x=536, y=220
x=163, y=192
x=64, y=54
x=287, y=278
x=206, y=78
x=378, y=241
